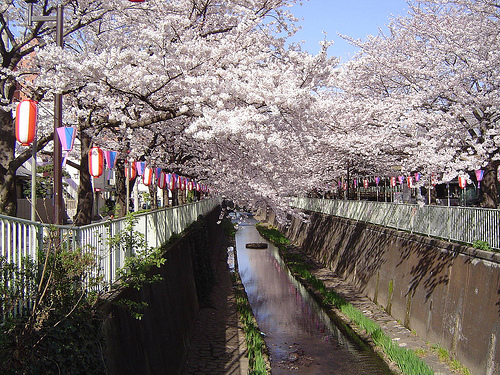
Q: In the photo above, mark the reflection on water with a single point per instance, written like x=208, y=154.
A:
x=300, y=336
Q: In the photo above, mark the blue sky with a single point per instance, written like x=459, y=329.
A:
x=355, y=18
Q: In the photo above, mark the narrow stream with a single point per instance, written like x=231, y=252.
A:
x=301, y=337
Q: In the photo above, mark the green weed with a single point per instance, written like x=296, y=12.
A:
x=482, y=245
x=446, y=357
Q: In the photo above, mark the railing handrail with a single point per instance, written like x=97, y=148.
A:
x=463, y=224
x=136, y=215
x=20, y=238
x=24, y=221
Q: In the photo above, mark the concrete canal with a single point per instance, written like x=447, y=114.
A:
x=302, y=339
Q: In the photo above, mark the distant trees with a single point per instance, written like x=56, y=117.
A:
x=431, y=86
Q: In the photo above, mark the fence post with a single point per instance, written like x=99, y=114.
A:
x=448, y=223
x=39, y=239
x=429, y=210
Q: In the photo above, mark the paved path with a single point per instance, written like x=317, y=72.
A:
x=218, y=342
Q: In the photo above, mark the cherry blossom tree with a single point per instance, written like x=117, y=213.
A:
x=18, y=42
x=191, y=78
x=210, y=90
x=435, y=80
x=133, y=65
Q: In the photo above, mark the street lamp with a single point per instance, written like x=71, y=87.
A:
x=58, y=18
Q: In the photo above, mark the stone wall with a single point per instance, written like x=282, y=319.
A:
x=447, y=293
x=158, y=343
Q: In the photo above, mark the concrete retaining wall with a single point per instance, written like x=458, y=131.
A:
x=447, y=293
x=157, y=344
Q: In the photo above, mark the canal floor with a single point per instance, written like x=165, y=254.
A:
x=300, y=336
x=218, y=346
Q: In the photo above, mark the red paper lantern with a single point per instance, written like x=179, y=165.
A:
x=190, y=185
x=96, y=161
x=172, y=181
x=462, y=182
x=393, y=181
x=26, y=115
x=433, y=179
x=162, y=180
x=182, y=183
x=409, y=180
x=365, y=183
x=131, y=171
x=147, y=177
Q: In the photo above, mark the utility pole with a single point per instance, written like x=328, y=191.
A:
x=59, y=19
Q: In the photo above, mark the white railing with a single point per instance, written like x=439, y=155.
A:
x=156, y=226
x=461, y=224
x=20, y=239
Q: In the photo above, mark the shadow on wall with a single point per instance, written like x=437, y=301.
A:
x=431, y=267
x=160, y=339
x=357, y=252
x=346, y=248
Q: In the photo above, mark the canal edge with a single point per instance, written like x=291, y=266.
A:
x=238, y=287
x=336, y=314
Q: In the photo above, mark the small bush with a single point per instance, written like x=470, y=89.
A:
x=62, y=333
x=482, y=245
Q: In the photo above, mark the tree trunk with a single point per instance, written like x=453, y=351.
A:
x=433, y=195
x=165, y=197
x=153, y=193
x=85, y=195
x=175, y=201
x=181, y=197
x=489, y=187
x=8, y=196
x=121, y=190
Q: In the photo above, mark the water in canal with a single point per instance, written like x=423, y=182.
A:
x=301, y=337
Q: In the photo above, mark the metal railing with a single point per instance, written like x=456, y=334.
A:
x=20, y=239
x=460, y=224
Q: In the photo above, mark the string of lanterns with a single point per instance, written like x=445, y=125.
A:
x=411, y=180
x=26, y=118
x=171, y=181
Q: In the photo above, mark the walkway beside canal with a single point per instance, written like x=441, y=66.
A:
x=218, y=342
